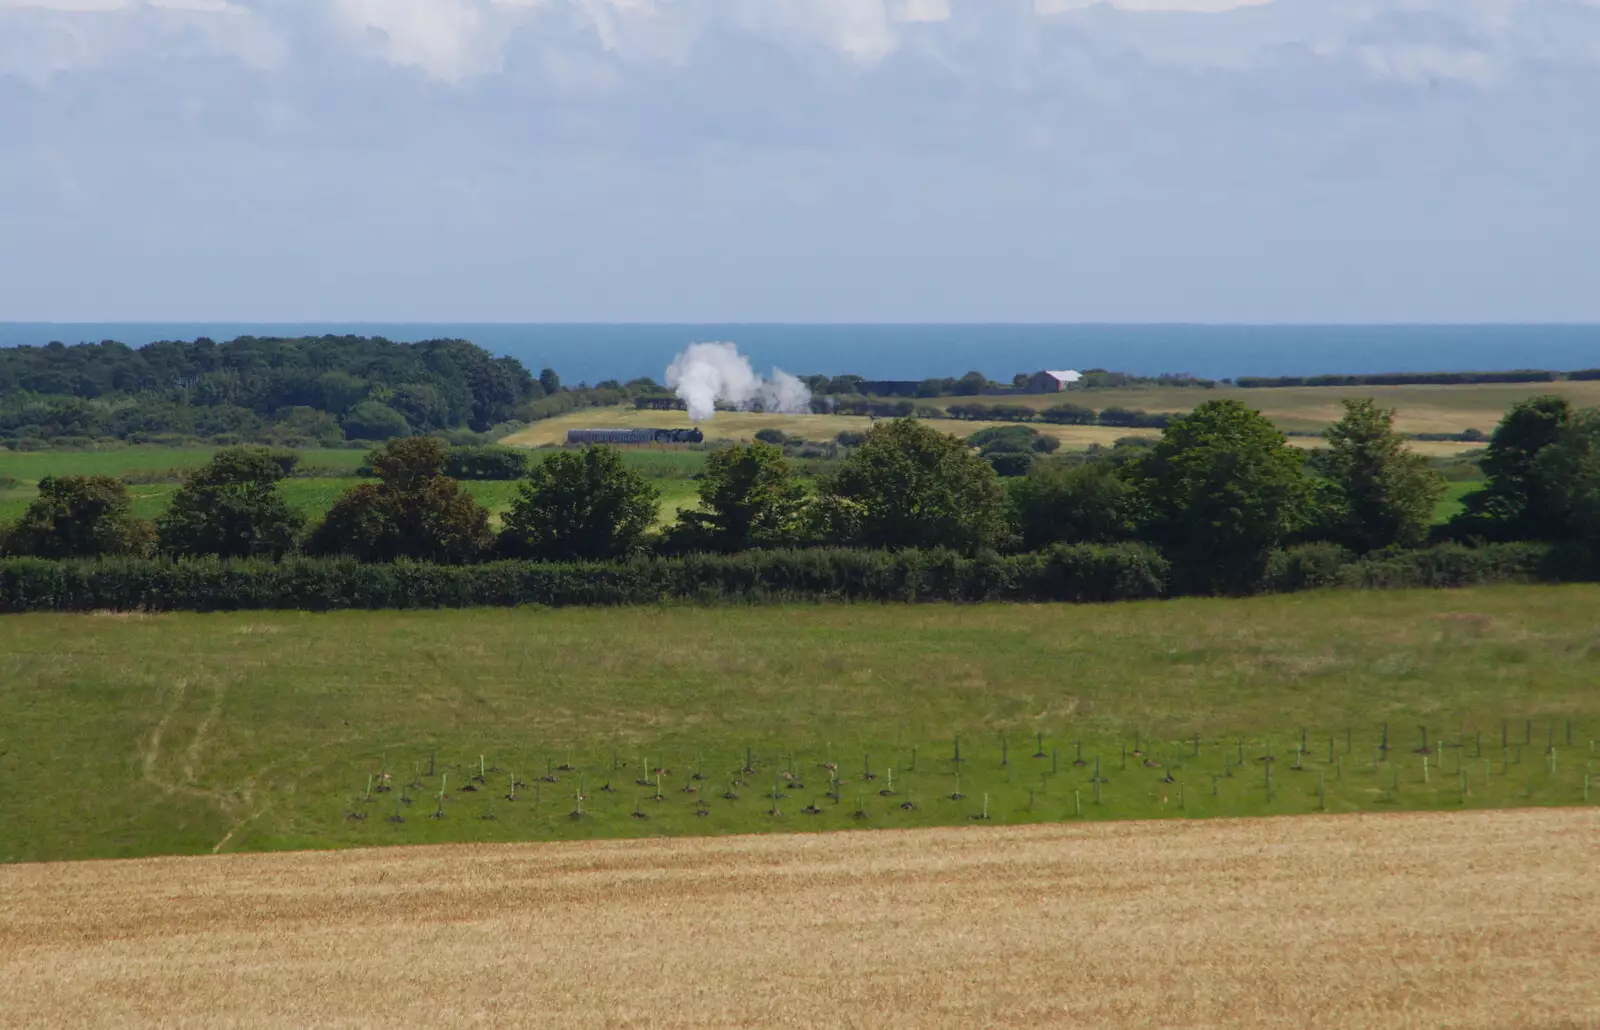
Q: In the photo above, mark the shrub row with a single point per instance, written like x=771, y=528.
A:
x=1449, y=565
x=1082, y=573
x=1405, y=379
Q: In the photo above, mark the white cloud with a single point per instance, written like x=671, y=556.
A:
x=444, y=38
x=1184, y=6
x=1013, y=43
x=43, y=38
x=922, y=10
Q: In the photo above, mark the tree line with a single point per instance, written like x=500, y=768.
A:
x=322, y=391
x=1420, y=378
x=1217, y=496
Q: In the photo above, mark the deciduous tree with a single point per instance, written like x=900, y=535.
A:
x=78, y=517
x=1090, y=504
x=415, y=511
x=911, y=486
x=749, y=497
x=1219, y=490
x=583, y=505
x=232, y=507
x=1381, y=494
x=1517, y=502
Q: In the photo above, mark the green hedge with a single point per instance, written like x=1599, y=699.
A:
x=1084, y=573
x=1320, y=566
x=1064, y=574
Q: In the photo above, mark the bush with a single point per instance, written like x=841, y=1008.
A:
x=1123, y=418
x=486, y=463
x=1449, y=565
x=1307, y=567
x=232, y=507
x=78, y=517
x=776, y=437
x=416, y=512
x=1454, y=565
x=1017, y=439
x=1069, y=415
x=1010, y=464
x=371, y=420
x=1087, y=504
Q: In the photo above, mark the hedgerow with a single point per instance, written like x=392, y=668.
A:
x=1081, y=573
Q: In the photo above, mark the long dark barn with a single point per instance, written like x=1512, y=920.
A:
x=580, y=437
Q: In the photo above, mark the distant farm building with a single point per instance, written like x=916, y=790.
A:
x=624, y=437
x=1051, y=382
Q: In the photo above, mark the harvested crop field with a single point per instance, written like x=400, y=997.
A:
x=1460, y=920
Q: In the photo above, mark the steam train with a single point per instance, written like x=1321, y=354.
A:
x=615, y=437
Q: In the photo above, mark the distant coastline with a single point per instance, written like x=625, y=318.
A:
x=593, y=352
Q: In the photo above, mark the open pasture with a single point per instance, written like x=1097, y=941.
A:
x=130, y=735
x=313, y=495
x=1462, y=920
x=118, y=461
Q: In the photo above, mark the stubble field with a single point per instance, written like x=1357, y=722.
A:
x=1475, y=920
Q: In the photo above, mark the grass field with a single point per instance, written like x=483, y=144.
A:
x=670, y=471
x=128, y=736
x=1450, y=504
x=1472, y=920
x=30, y=466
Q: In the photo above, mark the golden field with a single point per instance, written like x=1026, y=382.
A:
x=743, y=426
x=1485, y=920
x=1421, y=409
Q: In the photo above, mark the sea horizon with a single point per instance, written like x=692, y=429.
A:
x=595, y=351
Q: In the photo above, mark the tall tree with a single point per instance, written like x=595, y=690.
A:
x=1218, y=492
x=1381, y=493
x=911, y=486
x=549, y=381
x=1090, y=504
x=232, y=507
x=1517, y=503
x=1569, y=471
x=749, y=497
x=414, y=511
x=78, y=517
x=585, y=505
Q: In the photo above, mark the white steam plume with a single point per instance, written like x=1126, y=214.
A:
x=706, y=373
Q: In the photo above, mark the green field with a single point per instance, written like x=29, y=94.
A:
x=1450, y=505
x=670, y=471
x=128, y=735
x=30, y=466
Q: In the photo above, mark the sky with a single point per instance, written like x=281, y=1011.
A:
x=800, y=160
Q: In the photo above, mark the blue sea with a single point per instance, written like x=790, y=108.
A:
x=594, y=352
